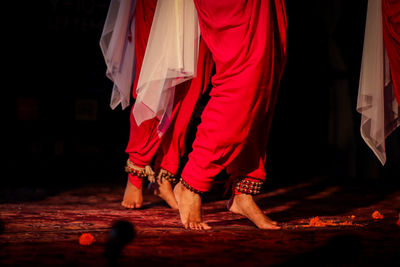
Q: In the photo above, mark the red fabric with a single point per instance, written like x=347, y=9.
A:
x=247, y=40
x=144, y=12
x=391, y=37
x=144, y=143
x=186, y=99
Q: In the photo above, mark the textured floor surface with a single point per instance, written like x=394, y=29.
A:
x=46, y=231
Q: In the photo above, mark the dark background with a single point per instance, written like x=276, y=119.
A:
x=59, y=130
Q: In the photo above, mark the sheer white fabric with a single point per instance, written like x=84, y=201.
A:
x=170, y=59
x=376, y=100
x=118, y=47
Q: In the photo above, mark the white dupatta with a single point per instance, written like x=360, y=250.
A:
x=376, y=100
x=118, y=47
x=170, y=58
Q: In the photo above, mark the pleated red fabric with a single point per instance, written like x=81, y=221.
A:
x=144, y=143
x=247, y=40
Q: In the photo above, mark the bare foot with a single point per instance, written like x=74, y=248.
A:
x=133, y=197
x=245, y=205
x=189, y=204
x=164, y=191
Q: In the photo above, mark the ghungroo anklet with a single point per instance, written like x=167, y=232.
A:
x=190, y=188
x=134, y=170
x=249, y=187
x=166, y=175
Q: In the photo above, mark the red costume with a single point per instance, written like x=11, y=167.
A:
x=379, y=95
x=391, y=37
x=247, y=40
x=144, y=141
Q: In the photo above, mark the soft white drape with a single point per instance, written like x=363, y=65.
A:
x=376, y=100
x=170, y=59
x=118, y=47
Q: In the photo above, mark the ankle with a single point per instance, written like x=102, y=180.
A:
x=185, y=186
x=165, y=175
x=135, y=181
x=247, y=186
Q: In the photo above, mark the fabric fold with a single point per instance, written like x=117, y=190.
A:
x=118, y=48
x=376, y=99
x=170, y=59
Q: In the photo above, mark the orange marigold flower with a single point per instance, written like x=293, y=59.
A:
x=316, y=221
x=346, y=223
x=86, y=239
x=352, y=217
x=377, y=215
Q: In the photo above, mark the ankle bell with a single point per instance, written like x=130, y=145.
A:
x=134, y=171
x=247, y=186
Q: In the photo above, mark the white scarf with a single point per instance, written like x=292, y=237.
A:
x=170, y=58
x=376, y=100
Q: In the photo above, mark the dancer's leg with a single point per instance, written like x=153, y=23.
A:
x=247, y=172
x=143, y=140
x=173, y=145
x=248, y=61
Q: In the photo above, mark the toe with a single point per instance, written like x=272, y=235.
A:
x=205, y=226
x=124, y=204
x=271, y=221
x=197, y=227
x=271, y=227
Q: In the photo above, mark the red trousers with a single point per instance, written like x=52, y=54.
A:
x=247, y=40
x=144, y=143
x=391, y=37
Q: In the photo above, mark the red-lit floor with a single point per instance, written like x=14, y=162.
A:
x=46, y=232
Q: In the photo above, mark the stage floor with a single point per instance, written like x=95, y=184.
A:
x=46, y=231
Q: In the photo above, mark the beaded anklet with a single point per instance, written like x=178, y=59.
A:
x=190, y=188
x=246, y=186
x=132, y=169
x=164, y=174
